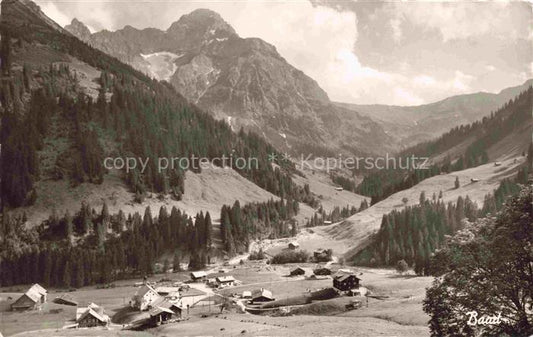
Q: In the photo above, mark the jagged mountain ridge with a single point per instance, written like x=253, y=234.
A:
x=242, y=80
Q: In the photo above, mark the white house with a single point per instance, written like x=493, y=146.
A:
x=225, y=281
x=144, y=298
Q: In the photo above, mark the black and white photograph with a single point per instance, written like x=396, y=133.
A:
x=266, y=168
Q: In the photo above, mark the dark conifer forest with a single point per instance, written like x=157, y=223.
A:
x=414, y=233
x=131, y=116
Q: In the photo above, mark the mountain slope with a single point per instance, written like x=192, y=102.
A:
x=353, y=234
x=67, y=106
x=244, y=81
x=413, y=124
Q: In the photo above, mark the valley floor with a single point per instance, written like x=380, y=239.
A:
x=398, y=313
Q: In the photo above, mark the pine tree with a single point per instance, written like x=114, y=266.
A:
x=104, y=216
x=422, y=197
x=66, y=275
x=176, y=263
x=208, y=230
x=47, y=268
x=69, y=228
x=5, y=50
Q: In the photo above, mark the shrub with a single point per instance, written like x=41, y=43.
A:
x=401, y=266
x=257, y=255
x=290, y=256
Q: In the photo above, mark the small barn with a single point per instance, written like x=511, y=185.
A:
x=294, y=245
x=65, y=299
x=31, y=299
x=247, y=294
x=160, y=315
x=162, y=311
x=346, y=282
x=322, y=271
x=198, y=276
x=262, y=295
x=297, y=271
x=166, y=304
x=91, y=316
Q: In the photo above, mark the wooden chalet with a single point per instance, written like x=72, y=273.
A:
x=262, y=295
x=31, y=299
x=294, y=245
x=198, y=276
x=297, y=271
x=91, y=316
x=346, y=282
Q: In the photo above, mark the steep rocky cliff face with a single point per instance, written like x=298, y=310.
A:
x=242, y=80
x=79, y=30
x=26, y=13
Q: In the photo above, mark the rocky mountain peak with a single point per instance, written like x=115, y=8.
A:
x=201, y=23
x=78, y=29
x=242, y=80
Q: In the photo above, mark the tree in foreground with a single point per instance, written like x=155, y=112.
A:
x=487, y=268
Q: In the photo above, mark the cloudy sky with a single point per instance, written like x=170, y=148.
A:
x=403, y=53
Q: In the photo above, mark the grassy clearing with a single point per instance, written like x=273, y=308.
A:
x=399, y=314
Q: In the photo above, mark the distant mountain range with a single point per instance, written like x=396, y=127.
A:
x=410, y=125
x=249, y=84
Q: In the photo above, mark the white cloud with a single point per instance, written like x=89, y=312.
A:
x=51, y=10
x=92, y=14
x=405, y=97
x=456, y=20
x=424, y=81
x=462, y=81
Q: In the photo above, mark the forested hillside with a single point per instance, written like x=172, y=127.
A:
x=133, y=115
x=414, y=233
x=95, y=247
x=53, y=128
x=91, y=246
x=477, y=137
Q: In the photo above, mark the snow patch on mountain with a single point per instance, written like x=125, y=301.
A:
x=161, y=64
